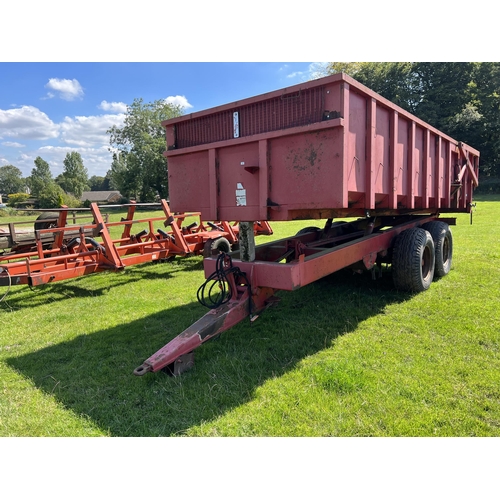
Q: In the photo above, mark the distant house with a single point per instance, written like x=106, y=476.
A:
x=101, y=196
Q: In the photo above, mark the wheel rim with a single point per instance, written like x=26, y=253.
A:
x=223, y=247
x=446, y=250
x=426, y=262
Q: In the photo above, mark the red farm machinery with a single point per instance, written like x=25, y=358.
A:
x=329, y=149
x=59, y=248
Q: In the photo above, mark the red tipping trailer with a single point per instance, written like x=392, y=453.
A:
x=326, y=149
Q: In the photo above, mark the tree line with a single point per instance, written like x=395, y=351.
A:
x=50, y=192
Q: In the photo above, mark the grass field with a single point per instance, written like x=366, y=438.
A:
x=345, y=356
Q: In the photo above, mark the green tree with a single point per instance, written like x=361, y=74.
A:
x=11, y=180
x=74, y=178
x=479, y=119
x=351, y=68
x=51, y=196
x=96, y=183
x=393, y=80
x=139, y=169
x=443, y=90
x=123, y=176
x=40, y=176
x=432, y=91
x=106, y=185
x=16, y=199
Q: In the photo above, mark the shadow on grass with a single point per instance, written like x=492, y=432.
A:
x=96, y=284
x=92, y=374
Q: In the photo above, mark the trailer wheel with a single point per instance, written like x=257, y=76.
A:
x=413, y=260
x=214, y=246
x=309, y=229
x=443, y=246
x=46, y=225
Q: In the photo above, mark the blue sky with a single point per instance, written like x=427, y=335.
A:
x=49, y=109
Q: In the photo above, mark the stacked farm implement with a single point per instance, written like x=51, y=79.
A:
x=56, y=250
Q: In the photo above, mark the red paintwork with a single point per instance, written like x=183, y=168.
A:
x=326, y=148
x=97, y=251
x=216, y=321
x=246, y=302
x=310, y=264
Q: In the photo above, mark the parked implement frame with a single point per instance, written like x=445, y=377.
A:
x=57, y=251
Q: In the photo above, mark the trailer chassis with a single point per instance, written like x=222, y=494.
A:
x=237, y=289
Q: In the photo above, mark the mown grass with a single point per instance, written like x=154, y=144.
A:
x=345, y=356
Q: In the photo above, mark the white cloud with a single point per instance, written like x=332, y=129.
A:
x=86, y=131
x=314, y=70
x=113, y=107
x=27, y=122
x=97, y=160
x=295, y=74
x=85, y=134
x=178, y=100
x=69, y=90
x=317, y=70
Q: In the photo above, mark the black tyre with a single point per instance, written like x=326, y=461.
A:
x=443, y=246
x=309, y=229
x=44, y=223
x=413, y=260
x=214, y=246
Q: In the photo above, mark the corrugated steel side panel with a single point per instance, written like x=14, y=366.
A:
x=286, y=111
x=327, y=148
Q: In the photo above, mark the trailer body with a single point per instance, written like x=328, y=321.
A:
x=325, y=149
